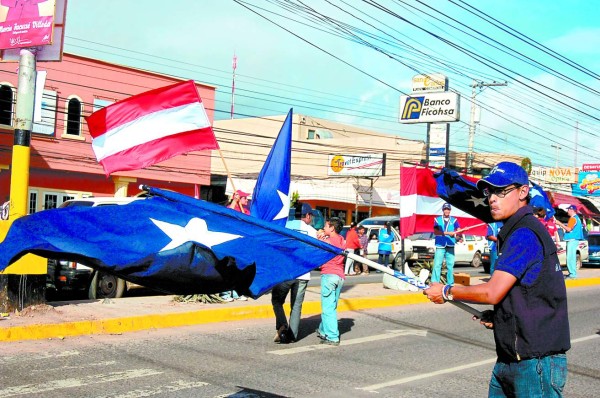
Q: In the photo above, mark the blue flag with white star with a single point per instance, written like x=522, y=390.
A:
x=540, y=199
x=270, y=200
x=170, y=242
x=463, y=194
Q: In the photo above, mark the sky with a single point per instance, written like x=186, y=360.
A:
x=350, y=61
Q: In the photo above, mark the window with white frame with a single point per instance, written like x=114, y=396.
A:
x=74, y=112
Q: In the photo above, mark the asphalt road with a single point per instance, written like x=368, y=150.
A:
x=421, y=350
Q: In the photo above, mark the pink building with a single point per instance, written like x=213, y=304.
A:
x=63, y=165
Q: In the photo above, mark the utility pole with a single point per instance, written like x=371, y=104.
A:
x=472, y=126
x=24, y=282
x=558, y=148
x=234, y=65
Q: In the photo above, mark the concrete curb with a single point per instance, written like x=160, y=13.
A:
x=161, y=321
x=121, y=325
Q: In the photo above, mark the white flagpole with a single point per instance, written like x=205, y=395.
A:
x=413, y=281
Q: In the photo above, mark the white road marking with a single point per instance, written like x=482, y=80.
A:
x=375, y=387
x=79, y=366
x=586, y=338
x=37, y=357
x=388, y=335
x=174, y=386
x=76, y=382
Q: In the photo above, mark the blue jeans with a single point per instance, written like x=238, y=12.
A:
x=539, y=377
x=278, y=296
x=572, y=246
x=441, y=253
x=493, y=259
x=384, y=259
x=331, y=287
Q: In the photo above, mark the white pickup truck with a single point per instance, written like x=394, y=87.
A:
x=468, y=250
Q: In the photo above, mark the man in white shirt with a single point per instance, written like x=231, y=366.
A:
x=289, y=333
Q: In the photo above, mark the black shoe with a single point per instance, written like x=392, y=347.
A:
x=330, y=342
x=319, y=335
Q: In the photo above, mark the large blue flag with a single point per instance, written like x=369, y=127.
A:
x=463, y=194
x=170, y=242
x=540, y=199
x=270, y=200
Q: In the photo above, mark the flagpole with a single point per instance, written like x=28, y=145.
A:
x=412, y=281
x=234, y=65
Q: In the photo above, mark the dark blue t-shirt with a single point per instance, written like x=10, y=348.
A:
x=522, y=256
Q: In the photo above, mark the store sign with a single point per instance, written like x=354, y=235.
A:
x=557, y=175
x=588, y=182
x=430, y=108
x=434, y=82
x=357, y=165
x=438, y=138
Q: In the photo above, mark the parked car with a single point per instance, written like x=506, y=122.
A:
x=372, y=226
x=582, y=250
x=71, y=276
x=468, y=250
x=593, y=248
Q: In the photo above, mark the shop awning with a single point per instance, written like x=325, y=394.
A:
x=559, y=199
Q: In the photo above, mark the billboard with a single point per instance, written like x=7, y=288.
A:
x=588, y=181
x=356, y=165
x=26, y=23
x=430, y=108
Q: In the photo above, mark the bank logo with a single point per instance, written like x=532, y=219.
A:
x=412, y=108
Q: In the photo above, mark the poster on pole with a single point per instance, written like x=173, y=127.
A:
x=22, y=34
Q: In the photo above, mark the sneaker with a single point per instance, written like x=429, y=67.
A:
x=227, y=300
x=242, y=298
x=319, y=335
x=330, y=342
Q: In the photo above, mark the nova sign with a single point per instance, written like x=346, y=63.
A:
x=428, y=108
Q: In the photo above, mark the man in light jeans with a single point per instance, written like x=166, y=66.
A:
x=573, y=234
x=289, y=333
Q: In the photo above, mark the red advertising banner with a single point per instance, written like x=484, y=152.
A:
x=590, y=167
x=26, y=23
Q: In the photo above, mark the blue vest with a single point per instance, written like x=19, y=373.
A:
x=443, y=241
x=577, y=232
x=532, y=321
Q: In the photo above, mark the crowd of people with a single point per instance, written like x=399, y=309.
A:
x=529, y=318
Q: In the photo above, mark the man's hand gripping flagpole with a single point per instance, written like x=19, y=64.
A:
x=412, y=281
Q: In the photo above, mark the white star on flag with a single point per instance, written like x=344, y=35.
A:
x=285, y=206
x=196, y=230
x=477, y=201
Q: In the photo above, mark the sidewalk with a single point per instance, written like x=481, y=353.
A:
x=117, y=316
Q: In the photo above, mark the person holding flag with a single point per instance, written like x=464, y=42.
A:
x=530, y=318
x=445, y=229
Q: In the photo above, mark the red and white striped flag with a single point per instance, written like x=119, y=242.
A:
x=420, y=204
x=150, y=127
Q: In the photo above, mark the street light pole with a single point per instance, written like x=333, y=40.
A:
x=472, y=126
x=557, y=147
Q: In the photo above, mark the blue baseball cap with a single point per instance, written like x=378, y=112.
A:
x=306, y=209
x=503, y=175
x=572, y=207
x=446, y=206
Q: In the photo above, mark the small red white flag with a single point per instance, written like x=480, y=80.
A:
x=150, y=127
x=420, y=204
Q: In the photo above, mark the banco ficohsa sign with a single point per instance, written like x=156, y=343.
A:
x=429, y=108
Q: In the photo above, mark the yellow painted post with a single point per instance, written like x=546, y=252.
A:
x=23, y=283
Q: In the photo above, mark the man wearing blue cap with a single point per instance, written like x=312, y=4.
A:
x=530, y=318
x=573, y=234
x=445, y=229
